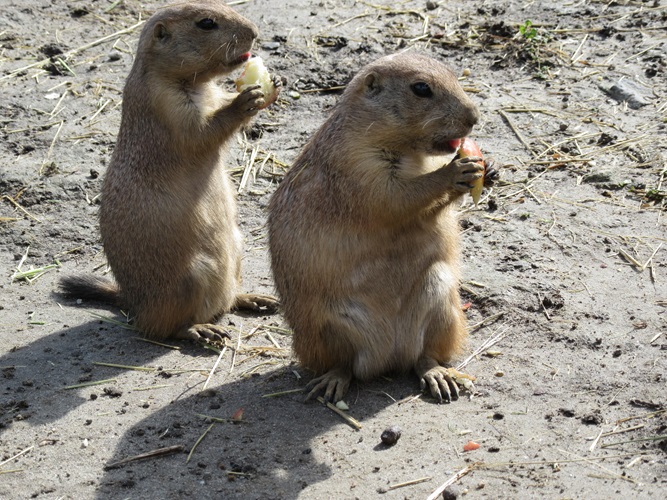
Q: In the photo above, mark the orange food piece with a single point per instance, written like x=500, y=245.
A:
x=470, y=148
x=470, y=446
x=238, y=415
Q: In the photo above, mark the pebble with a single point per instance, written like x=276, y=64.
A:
x=628, y=91
x=391, y=435
x=451, y=493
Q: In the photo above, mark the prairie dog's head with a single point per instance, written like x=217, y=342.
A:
x=199, y=39
x=411, y=102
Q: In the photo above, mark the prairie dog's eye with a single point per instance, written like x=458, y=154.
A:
x=421, y=89
x=207, y=24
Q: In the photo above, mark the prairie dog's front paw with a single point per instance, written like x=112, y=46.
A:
x=278, y=81
x=492, y=174
x=255, y=74
x=463, y=172
x=257, y=302
x=250, y=101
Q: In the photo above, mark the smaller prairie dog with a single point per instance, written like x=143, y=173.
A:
x=363, y=232
x=168, y=213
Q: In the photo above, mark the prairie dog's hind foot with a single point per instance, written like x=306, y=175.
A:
x=333, y=383
x=203, y=331
x=442, y=385
x=443, y=382
x=256, y=302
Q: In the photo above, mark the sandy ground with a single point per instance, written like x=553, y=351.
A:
x=565, y=266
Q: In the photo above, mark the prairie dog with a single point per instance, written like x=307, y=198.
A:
x=168, y=212
x=363, y=233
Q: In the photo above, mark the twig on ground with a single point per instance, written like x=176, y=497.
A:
x=657, y=337
x=640, y=440
x=215, y=365
x=325, y=89
x=596, y=440
x=16, y=204
x=354, y=423
x=640, y=267
x=23, y=452
x=272, y=340
x=115, y=322
x=451, y=481
x=32, y=274
x=539, y=296
x=160, y=452
x=621, y=431
x=126, y=367
x=88, y=384
x=486, y=321
x=600, y=466
x=149, y=341
x=516, y=132
x=487, y=344
x=248, y=169
x=194, y=447
x=238, y=347
x=281, y=393
x=409, y=483
x=494, y=465
x=409, y=399
x=209, y=418
x=152, y=387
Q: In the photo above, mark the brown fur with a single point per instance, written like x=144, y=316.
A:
x=168, y=214
x=363, y=234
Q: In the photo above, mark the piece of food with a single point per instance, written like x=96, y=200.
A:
x=469, y=148
x=255, y=73
x=238, y=415
x=462, y=379
x=470, y=446
x=342, y=405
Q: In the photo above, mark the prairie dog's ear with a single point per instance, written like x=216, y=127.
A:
x=372, y=85
x=160, y=32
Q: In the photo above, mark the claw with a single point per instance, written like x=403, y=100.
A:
x=334, y=383
x=490, y=177
x=444, y=383
x=256, y=302
x=277, y=81
x=203, y=331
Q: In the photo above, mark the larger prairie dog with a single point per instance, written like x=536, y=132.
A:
x=363, y=233
x=168, y=212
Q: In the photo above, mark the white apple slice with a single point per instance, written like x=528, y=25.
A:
x=255, y=73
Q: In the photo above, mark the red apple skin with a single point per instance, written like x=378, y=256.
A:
x=470, y=148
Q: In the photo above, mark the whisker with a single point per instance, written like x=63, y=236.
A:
x=441, y=117
x=216, y=50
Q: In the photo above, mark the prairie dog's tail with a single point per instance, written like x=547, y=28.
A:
x=91, y=288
